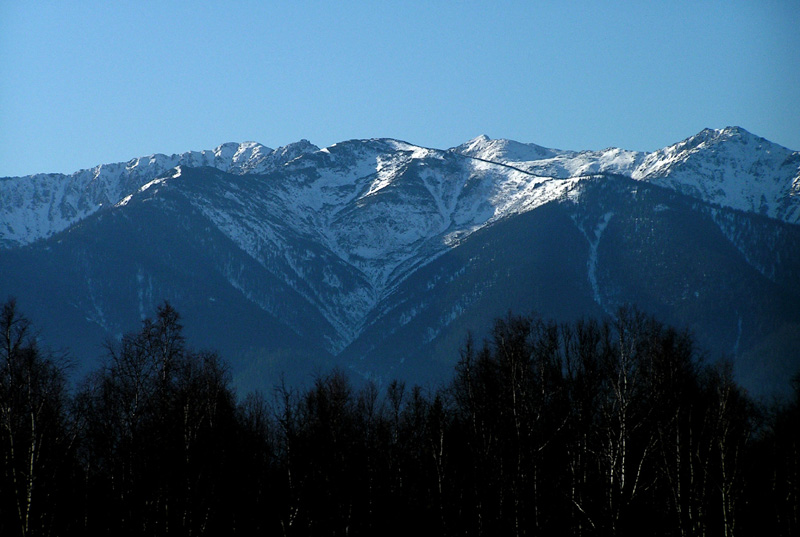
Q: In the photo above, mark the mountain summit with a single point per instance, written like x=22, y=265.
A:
x=730, y=167
x=379, y=255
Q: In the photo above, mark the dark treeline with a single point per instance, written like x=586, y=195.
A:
x=591, y=428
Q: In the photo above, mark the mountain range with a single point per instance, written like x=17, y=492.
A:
x=379, y=256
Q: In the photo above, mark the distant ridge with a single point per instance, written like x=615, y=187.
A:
x=379, y=255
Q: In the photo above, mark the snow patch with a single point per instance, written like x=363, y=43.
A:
x=591, y=265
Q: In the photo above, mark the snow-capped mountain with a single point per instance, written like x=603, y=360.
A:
x=367, y=214
x=554, y=163
x=379, y=254
x=37, y=206
x=730, y=167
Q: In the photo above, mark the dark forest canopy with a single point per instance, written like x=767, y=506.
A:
x=612, y=427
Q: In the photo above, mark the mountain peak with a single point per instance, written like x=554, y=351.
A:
x=480, y=139
x=227, y=146
x=474, y=145
x=735, y=130
x=730, y=167
x=728, y=134
x=287, y=153
x=301, y=146
x=503, y=150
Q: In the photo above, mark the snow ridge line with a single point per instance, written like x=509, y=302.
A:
x=505, y=165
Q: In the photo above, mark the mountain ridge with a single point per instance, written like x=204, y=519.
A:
x=39, y=205
x=347, y=248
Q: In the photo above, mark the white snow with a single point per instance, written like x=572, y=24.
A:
x=37, y=206
x=732, y=168
x=380, y=209
x=591, y=265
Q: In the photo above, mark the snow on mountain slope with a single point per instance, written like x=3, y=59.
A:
x=358, y=235
x=730, y=167
x=37, y=206
x=346, y=224
x=348, y=196
x=379, y=203
x=555, y=163
x=503, y=150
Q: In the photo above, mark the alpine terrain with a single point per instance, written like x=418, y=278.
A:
x=380, y=256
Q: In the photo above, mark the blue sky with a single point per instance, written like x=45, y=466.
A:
x=83, y=83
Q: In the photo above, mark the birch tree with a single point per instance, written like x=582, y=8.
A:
x=35, y=440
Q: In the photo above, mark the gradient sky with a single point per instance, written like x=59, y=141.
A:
x=84, y=83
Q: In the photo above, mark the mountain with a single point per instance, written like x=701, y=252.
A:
x=36, y=206
x=379, y=256
x=732, y=168
x=729, y=167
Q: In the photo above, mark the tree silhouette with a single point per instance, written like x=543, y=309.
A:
x=597, y=427
x=35, y=436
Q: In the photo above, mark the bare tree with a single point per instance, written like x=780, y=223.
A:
x=34, y=437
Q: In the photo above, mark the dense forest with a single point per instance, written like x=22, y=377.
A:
x=599, y=427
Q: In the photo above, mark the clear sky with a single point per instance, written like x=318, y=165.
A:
x=84, y=83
